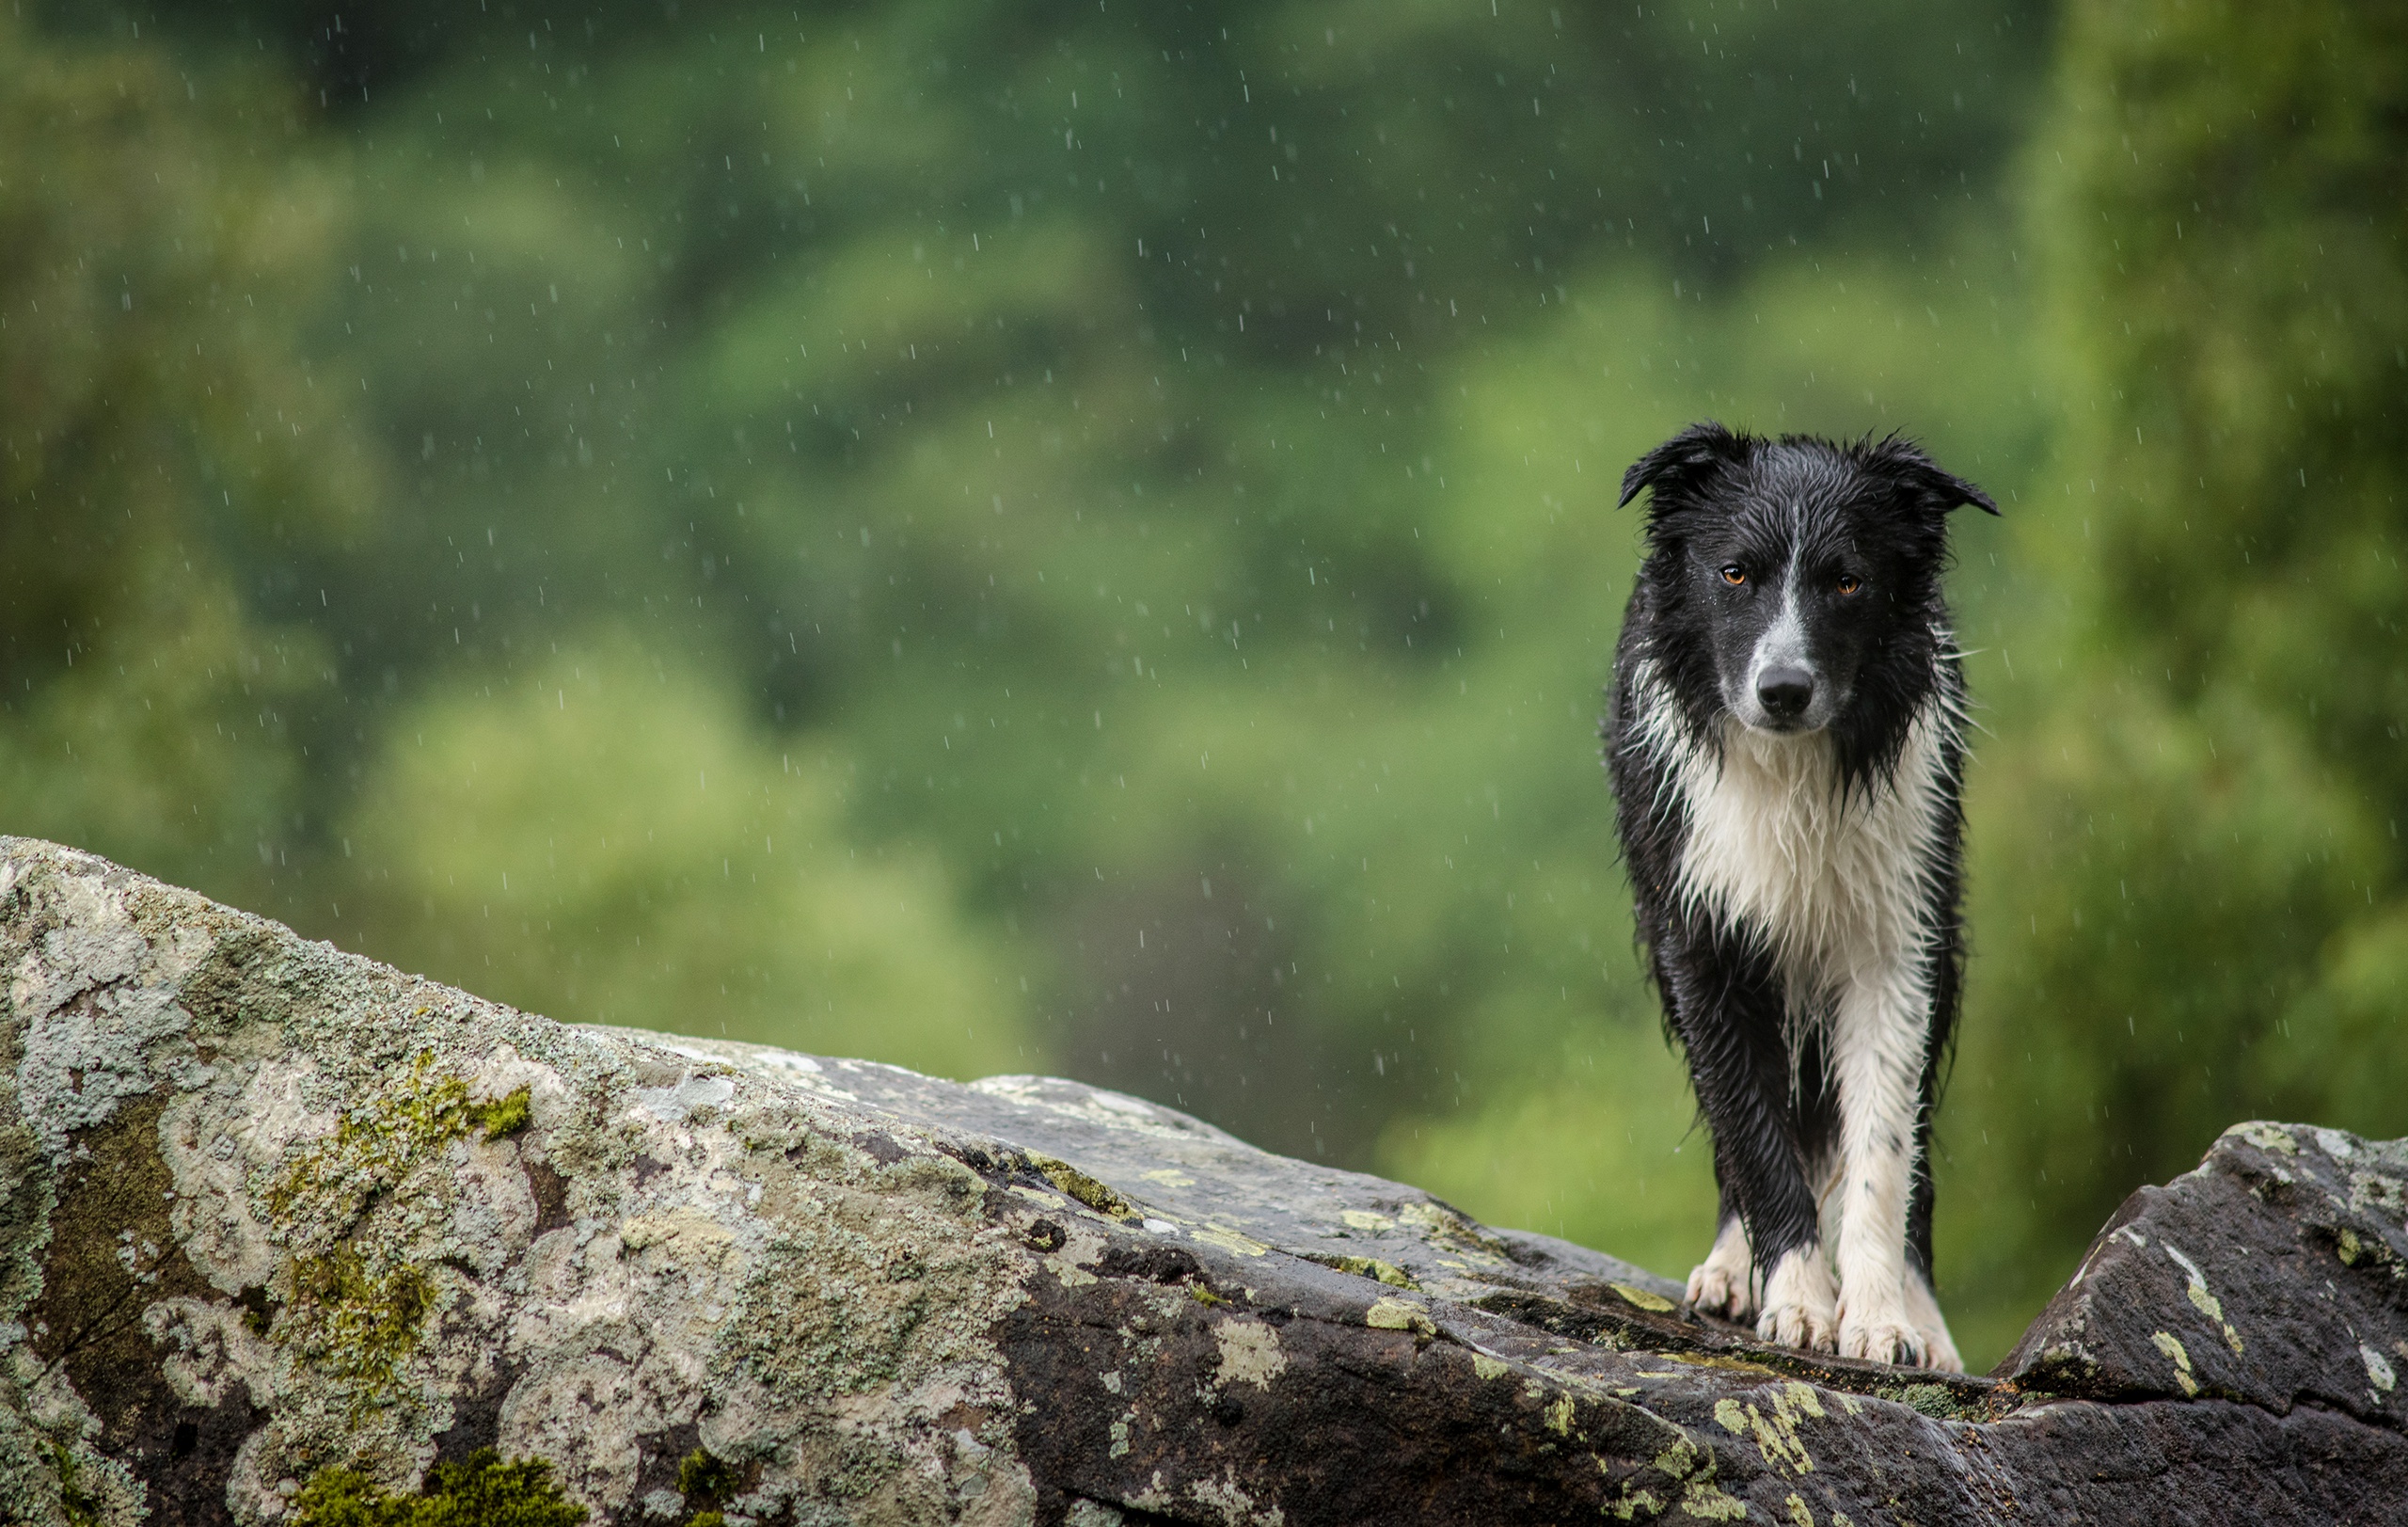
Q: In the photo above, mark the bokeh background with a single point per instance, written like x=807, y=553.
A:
x=1014, y=537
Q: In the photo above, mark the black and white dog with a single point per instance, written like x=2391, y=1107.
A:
x=1786, y=740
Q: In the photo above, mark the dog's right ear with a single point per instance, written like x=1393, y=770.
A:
x=1685, y=456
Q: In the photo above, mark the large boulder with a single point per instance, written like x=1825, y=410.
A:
x=286, y=1235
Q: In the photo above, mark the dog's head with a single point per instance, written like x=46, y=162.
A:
x=1794, y=583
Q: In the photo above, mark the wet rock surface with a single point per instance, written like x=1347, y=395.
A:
x=269, y=1212
x=2276, y=1274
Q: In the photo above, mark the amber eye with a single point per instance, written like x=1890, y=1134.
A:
x=1734, y=575
x=1848, y=585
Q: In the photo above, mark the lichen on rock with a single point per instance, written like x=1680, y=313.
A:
x=291, y=1239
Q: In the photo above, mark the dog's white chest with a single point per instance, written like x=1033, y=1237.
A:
x=1835, y=888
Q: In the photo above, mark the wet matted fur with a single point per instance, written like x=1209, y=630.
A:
x=1786, y=736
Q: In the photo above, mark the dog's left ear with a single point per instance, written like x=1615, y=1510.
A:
x=1685, y=456
x=1908, y=465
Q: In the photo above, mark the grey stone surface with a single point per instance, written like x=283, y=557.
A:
x=268, y=1209
x=2276, y=1274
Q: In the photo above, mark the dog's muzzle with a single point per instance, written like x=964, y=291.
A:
x=1786, y=693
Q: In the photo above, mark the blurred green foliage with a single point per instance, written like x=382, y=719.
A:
x=604, y=836
x=2194, y=905
x=1083, y=541
x=156, y=419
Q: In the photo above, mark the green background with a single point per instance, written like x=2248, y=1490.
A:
x=1008, y=538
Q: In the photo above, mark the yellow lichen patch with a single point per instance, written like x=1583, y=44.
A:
x=1442, y=1224
x=2349, y=1247
x=1797, y=1510
x=1168, y=1177
x=1231, y=1240
x=1233, y=1504
x=1396, y=1315
x=1484, y=1366
x=1683, y=1457
x=2164, y=1342
x=1642, y=1299
x=1559, y=1416
x=2379, y=1373
x=1078, y=1184
x=1709, y=1501
x=2205, y=1300
x=1366, y=1220
x=1250, y=1353
x=1694, y=1468
x=1386, y=1272
x=2268, y=1137
x=1715, y=1359
x=1776, y=1436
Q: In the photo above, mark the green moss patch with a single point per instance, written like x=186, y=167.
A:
x=704, y=1479
x=80, y=1506
x=357, y=1321
x=482, y=1492
x=381, y=1142
x=357, y=1305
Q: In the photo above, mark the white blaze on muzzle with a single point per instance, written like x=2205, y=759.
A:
x=1783, y=643
x=1784, y=646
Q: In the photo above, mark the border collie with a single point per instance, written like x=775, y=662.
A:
x=1786, y=738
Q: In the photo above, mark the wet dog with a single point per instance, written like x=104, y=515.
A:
x=1786, y=738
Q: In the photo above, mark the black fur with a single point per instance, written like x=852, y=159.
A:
x=1733, y=519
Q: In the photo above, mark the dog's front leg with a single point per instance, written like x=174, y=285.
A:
x=1728, y=1006
x=1882, y=1033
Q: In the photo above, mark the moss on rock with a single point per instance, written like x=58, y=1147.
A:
x=484, y=1491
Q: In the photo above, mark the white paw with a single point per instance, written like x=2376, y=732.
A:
x=1922, y=1312
x=1883, y=1340
x=1719, y=1291
x=1719, y=1285
x=1799, y=1300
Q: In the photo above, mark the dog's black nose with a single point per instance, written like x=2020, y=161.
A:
x=1784, y=692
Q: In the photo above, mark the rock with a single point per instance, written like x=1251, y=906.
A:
x=283, y=1229
x=2276, y=1274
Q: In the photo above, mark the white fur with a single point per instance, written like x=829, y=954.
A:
x=1724, y=1284
x=1836, y=888
x=1799, y=1301
x=1923, y=1308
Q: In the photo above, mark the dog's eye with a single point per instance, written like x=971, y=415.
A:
x=1848, y=585
x=1734, y=575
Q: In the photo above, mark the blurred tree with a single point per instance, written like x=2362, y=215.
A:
x=1164, y=453
x=1051, y=410
x=160, y=426
x=605, y=835
x=2193, y=895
